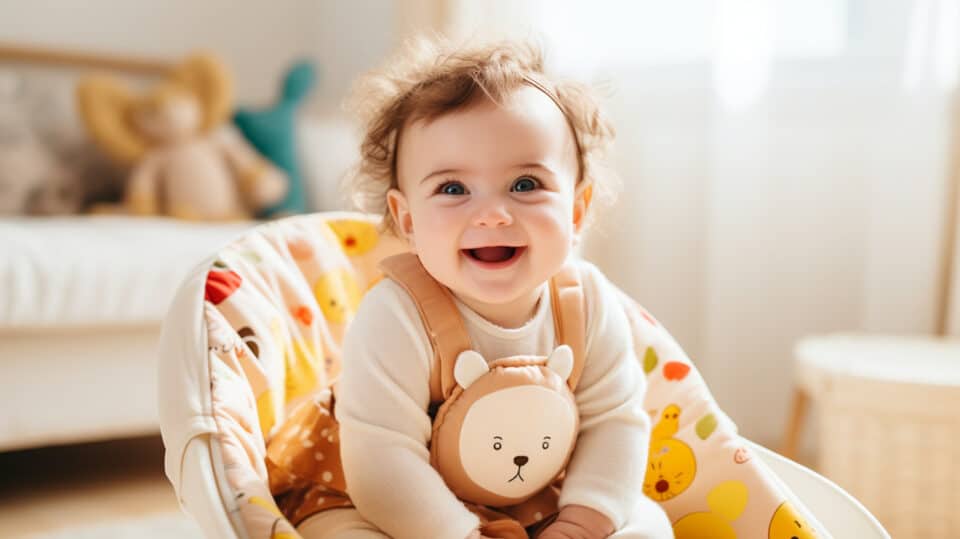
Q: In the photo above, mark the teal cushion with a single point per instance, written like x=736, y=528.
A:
x=272, y=131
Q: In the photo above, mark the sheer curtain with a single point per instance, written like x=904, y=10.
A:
x=786, y=168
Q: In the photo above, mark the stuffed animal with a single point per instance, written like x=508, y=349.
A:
x=47, y=163
x=272, y=131
x=185, y=161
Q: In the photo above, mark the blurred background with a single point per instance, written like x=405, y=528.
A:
x=789, y=167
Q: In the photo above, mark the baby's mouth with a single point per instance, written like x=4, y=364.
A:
x=494, y=254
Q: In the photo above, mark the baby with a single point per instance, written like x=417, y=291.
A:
x=487, y=168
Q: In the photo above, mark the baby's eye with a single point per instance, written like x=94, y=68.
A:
x=452, y=188
x=525, y=184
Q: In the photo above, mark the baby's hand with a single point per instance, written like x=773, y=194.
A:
x=578, y=522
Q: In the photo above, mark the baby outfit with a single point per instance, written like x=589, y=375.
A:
x=402, y=376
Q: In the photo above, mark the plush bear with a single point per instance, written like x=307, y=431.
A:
x=493, y=458
x=185, y=161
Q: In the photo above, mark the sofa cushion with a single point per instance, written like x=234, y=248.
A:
x=91, y=271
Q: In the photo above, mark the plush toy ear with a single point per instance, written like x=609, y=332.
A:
x=104, y=105
x=561, y=361
x=470, y=366
x=207, y=78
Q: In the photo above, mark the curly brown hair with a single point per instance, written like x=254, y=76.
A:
x=430, y=78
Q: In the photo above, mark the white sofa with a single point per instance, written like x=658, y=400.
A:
x=82, y=299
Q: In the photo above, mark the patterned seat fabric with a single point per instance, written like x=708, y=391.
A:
x=277, y=303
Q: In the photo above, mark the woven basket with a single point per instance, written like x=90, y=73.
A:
x=889, y=426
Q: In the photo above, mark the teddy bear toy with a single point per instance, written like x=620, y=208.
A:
x=185, y=160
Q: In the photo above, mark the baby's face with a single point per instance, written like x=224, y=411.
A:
x=488, y=197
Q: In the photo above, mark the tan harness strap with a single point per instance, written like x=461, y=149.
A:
x=440, y=317
x=569, y=318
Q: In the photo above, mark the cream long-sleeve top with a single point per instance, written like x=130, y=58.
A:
x=385, y=430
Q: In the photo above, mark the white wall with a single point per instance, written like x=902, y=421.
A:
x=818, y=208
x=257, y=39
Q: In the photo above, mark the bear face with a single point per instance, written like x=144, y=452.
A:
x=514, y=441
x=509, y=428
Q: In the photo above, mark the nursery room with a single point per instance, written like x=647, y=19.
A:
x=202, y=204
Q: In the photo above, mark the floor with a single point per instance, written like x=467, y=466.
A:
x=51, y=488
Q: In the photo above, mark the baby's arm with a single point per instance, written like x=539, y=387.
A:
x=382, y=398
x=607, y=468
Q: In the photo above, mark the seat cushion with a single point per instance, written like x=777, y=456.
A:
x=91, y=271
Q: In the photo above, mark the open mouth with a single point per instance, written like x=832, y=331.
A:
x=497, y=256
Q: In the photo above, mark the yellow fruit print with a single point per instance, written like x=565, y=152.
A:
x=669, y=423
x=356, y=237
x=671, y=468
x=337, y=295
x=787, y=524
x=671, y=465
x=266, y=412
x=303, y=370
x=726, y=502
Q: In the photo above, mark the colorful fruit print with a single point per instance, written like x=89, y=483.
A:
x=727, y=502
x=303, y=370
x=671, y=464
x=671, y=468
x=337, y=295
x=706, y=426
x=221, y=284
x=356, y=237
x=650, y=360
x=668, y=425
x=302, y=314
x=788, y=524
x=674, y=370
x=300, y=248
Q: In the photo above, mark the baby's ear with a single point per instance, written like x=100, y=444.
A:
x=561, y=361
x=581, y=203
x=470, y=365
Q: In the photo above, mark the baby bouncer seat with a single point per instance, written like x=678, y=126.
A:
x=255, y=331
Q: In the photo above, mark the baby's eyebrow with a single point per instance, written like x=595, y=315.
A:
x=534, y=165
x=440, y=172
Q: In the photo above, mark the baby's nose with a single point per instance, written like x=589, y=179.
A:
x=494, y=215
x=520, y=460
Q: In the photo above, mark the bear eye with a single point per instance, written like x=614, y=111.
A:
x=497, y=446
x=546, y=443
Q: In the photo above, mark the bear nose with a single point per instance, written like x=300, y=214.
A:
x=520, y=460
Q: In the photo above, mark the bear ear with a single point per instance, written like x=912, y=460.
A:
x=561, y=361
x=470, y=365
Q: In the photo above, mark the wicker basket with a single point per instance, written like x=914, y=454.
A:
x=889, y=426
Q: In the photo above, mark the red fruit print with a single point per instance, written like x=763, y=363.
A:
x=221, y=285
x=674, y=370
x=303, y=314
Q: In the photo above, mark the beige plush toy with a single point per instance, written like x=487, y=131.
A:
x=185, y=162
